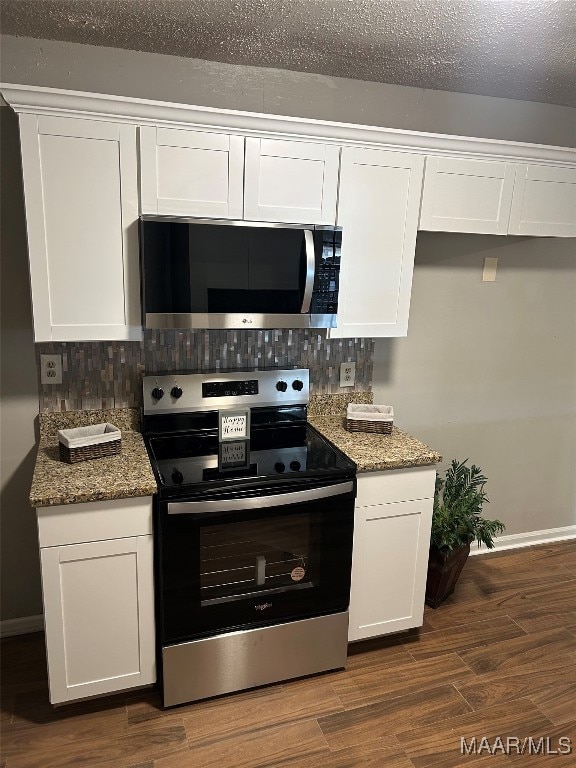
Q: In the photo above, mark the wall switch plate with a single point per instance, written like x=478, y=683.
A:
x=51, y=369
x=489, y=271
x=347, y=374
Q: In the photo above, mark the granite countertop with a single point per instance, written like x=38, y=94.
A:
x=125, y=475
x=369, y=450
x=129, y=473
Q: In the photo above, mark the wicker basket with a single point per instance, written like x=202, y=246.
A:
x=94, y=442
x=370, y=418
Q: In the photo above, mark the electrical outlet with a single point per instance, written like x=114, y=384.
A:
x=51, y=369
x=347, y=374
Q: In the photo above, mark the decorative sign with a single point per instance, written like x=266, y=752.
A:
x=234, y=425
x=233, y=454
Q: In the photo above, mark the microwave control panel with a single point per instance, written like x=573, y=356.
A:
x=327, y=278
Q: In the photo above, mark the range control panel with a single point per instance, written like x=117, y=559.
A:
x=177, y=393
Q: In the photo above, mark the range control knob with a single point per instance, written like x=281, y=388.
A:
x=294, y=466
x=297, y=385
x=279, y=466
x=281, y=386
x=176, y=392
x=177, y=476
x=157, y=393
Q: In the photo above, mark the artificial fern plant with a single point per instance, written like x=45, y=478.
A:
x=457, y=518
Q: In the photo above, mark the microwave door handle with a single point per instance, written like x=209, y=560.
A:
x=310, y=269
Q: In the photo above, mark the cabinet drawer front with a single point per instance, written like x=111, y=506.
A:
x=94, y=521
x=395, y=485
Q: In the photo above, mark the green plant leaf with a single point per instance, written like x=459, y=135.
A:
x=457, y=513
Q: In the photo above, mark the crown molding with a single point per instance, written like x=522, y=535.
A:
x=57, y=102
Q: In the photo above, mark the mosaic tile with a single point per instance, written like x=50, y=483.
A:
x=107, y=375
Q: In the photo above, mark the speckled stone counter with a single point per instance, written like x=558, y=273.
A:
x=370, y=451
x=122, y=476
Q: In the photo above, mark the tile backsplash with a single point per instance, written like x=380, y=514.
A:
x=107, y=374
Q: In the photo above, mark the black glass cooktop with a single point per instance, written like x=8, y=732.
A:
x=183, y=462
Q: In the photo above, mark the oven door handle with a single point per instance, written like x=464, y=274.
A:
x=258, y=502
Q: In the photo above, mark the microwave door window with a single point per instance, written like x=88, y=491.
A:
x=166, y=267
x=276, y=270
x=219, y=268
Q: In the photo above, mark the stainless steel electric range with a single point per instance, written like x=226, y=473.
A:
x=253, y=528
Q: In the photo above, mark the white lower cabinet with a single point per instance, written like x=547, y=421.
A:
x=390, y=557
x=98, y=599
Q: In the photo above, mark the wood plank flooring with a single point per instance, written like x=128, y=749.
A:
x=498, y=659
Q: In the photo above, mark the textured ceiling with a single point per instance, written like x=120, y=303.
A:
x=520, y=49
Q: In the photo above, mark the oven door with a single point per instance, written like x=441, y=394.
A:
x=252, y=561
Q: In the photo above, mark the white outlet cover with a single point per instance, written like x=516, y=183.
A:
x=51, y=369
x=347, y=374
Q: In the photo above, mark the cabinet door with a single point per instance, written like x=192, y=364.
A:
x=466, y=196
x=378, y=211
x=290, y=181
x=191, y=173
x=544, y=201
x=80, y=186
x=389, y=564
x=99, y=617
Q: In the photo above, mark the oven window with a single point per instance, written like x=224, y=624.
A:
x=222, y=571
x=256, y=558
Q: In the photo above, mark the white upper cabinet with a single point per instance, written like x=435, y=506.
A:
x=80, y=187
x=544, y=202
x=467, y=196
x=191, y=173
x=291, y=181
x=378, y=211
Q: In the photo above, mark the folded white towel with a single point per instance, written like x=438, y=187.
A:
x=80, y=437
x=365, y=412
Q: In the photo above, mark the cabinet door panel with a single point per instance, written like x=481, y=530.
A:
x=544, y=201
x=191, y=173
x=467, y=196
x=290, y=181
x=378, y=211
x=98, y=610
x=389, y=565
x=81, y=209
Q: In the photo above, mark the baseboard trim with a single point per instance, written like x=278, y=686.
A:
x=22, y=626
x=530, y=539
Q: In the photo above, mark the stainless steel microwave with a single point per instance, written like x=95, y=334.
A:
x=212, y=273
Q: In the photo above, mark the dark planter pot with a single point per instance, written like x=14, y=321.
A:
x=444, y=568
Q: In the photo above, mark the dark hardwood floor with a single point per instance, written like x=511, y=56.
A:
x=498, y=659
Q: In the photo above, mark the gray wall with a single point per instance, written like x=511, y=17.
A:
x=488, y=370
x=426, y=376
x=212, y=84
